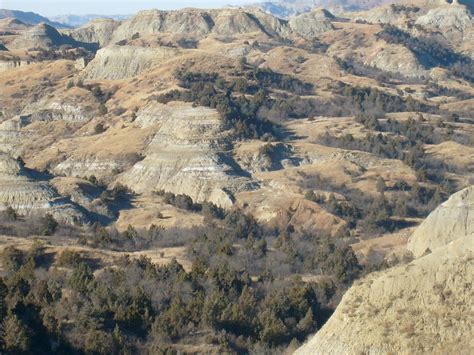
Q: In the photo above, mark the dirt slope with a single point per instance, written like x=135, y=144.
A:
x=422, y=307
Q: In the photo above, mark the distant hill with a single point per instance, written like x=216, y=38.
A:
x=30, y=18
x=46, y=37
x=287, y=8
x=41, y=36
x=13, y=24
x=79, y=20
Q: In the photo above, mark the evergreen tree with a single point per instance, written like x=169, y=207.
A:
x=14, y=334
x=81, y=277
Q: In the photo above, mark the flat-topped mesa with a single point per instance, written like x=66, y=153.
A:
x=186, y=156
x=27, y=196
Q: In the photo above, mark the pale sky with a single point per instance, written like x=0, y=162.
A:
x=108, y=7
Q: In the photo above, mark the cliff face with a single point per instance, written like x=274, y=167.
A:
x=421, y=307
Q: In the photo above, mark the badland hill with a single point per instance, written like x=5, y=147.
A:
x=216, y=180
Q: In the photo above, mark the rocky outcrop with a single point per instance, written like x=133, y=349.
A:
x=7, y=140
x=435, y=15
x=27, y=196
x=84, y=194
x=231, y=22
x=23, y=189
x=421, y=307
x=188, y=155
x=188, y=21
x=312, y=24
x=266, y=157
x=97, y=31
x=119, y=62
x=392, y=14
x=453, y=17
x=395, y=59
x=453, y=21
x=452, y=219
x=90, y=166
x=76, y=105
x=57, y=111
x=18, y=191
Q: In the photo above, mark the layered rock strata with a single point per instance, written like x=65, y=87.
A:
x=187, y=155
x=27, y=196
